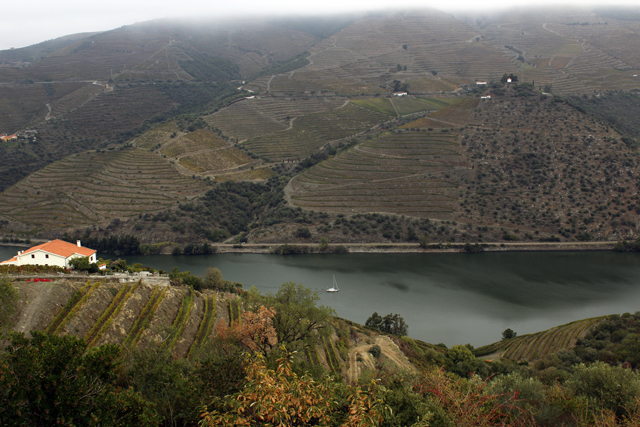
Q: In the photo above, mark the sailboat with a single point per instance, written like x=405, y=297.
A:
x=334, y=288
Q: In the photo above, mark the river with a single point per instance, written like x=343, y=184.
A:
x=444, y=298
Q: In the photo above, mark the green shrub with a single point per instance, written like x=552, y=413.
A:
x=375, y=351
x=609, y=387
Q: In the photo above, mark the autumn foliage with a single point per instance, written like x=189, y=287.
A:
x=281, y=397
x=469, y=402
x=255, y=331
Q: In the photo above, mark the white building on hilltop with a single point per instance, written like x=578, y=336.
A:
x=55, y=252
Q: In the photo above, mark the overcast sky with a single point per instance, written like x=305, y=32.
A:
x=28, y=22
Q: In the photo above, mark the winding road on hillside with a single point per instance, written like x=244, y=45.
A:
x=389, y=350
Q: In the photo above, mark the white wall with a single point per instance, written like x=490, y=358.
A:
x=41, y=258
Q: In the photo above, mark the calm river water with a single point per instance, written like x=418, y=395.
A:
x=448, y=298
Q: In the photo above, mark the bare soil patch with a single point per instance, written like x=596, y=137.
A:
x=40, y=302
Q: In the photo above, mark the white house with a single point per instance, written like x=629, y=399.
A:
x=55, y=252
x=399, y=93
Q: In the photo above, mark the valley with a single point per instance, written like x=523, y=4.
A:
x=470, y=172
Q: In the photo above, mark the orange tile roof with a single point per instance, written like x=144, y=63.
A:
x=62, y=248
x=14, y=259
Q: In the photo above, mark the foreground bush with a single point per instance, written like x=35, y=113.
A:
x=48, y=380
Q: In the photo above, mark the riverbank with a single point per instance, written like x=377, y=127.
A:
x=258, y=248
x=397, y=248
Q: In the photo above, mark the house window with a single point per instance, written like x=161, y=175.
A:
x=46, y=255
x=33, y=256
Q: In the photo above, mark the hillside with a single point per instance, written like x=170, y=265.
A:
x=104, y=88
x=532, y=347
x=175, y=318
x=298, y=114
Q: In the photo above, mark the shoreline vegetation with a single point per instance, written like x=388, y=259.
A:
x=312, y=248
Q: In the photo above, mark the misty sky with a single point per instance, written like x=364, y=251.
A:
x=28, y=22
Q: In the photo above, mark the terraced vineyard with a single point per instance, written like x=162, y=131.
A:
x=102, y=115
x=404, y=173
x=139, y=315
x=206, y=326
x=95, y=186
x=458, y=113
x=199, y=140
x=20, y=103
x=256, y=174
x=219, y=160
x=255, y=117
x=403, y=105
x=531, y=347
x=313, y=131
x=157, y=135
x=364, y=56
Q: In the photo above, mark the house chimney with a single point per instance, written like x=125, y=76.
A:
x=78, y=243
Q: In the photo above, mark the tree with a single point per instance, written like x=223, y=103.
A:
x=324, y=244
x=375, y=321
x=405, y=47
x=472, y=249
x=508, y=333
x=175, y=389
x=297, y=316
x=460, y=353
x=185, y=278
x=610, y=387
x=255, y=332
x=47, y=380
x=392, y=324
x=213, y=278
x=303, y=232
x=375, y=351
x=281, y=397
x=82, y=263
x=8, y=302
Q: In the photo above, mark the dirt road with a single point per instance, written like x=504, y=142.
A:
x=389, y=350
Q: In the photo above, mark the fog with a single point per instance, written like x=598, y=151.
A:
x=33, y=21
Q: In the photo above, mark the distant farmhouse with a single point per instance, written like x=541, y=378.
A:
x=400, y=94
x=55, y=252
x=8, y=137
